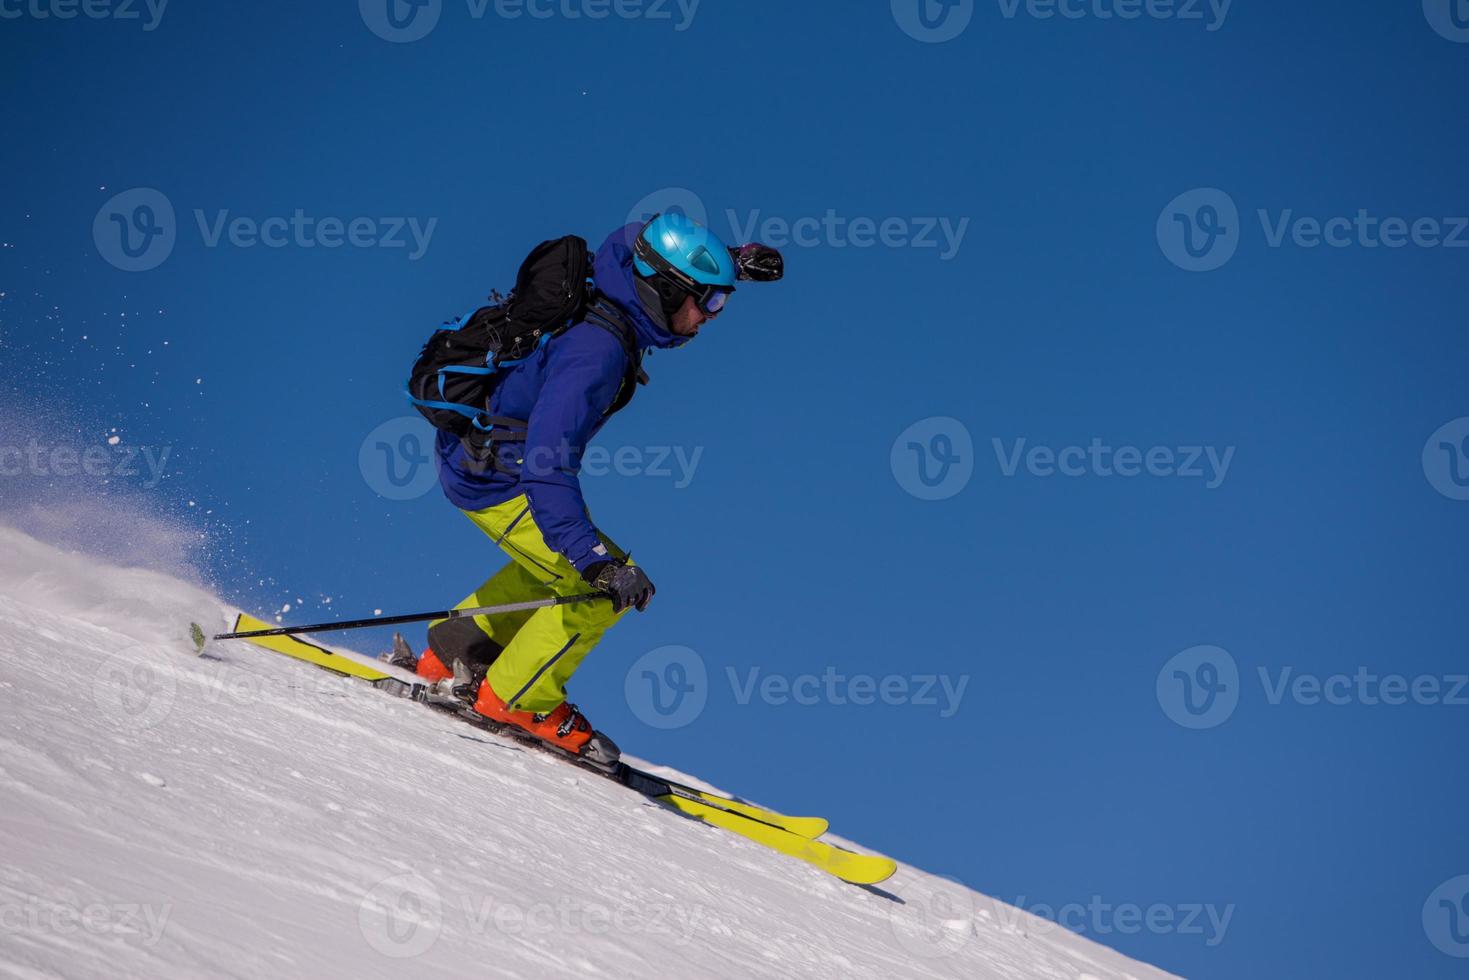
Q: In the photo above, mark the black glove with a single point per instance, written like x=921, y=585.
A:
x=625, y=585
x=758, y=263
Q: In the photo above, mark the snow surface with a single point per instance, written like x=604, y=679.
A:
x=244, y=815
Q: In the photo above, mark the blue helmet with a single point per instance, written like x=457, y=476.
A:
x=673, y=249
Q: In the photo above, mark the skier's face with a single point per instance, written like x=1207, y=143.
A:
x=689, y=318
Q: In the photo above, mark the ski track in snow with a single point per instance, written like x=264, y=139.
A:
x=243, y=815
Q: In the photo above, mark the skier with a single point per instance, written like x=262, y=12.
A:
x=656, y=285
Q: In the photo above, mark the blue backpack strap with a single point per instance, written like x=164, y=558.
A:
x=545, y=338
x=465, y=410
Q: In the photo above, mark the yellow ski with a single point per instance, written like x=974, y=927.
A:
x=808, y=827
x=298, y=648
x=860, y=869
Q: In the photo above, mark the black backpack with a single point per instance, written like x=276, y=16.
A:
x=456, y=373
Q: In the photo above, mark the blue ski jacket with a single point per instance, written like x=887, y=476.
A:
x=564, y=391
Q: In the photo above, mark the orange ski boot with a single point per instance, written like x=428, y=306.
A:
x=431, y=668
x=564, y=728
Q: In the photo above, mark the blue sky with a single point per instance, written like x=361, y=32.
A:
x=1224, y=253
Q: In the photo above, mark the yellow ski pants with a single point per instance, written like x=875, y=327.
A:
x=542, y=647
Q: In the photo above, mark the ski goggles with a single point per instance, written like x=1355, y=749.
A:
x=712, y=300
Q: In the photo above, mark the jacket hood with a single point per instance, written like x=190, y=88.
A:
x=612, y=271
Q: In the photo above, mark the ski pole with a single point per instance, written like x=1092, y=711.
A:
x=560, y=600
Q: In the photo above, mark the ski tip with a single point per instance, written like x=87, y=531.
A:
x=196, y=633
x=879, y=869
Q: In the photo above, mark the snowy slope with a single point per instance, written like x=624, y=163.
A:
x=165, y=815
